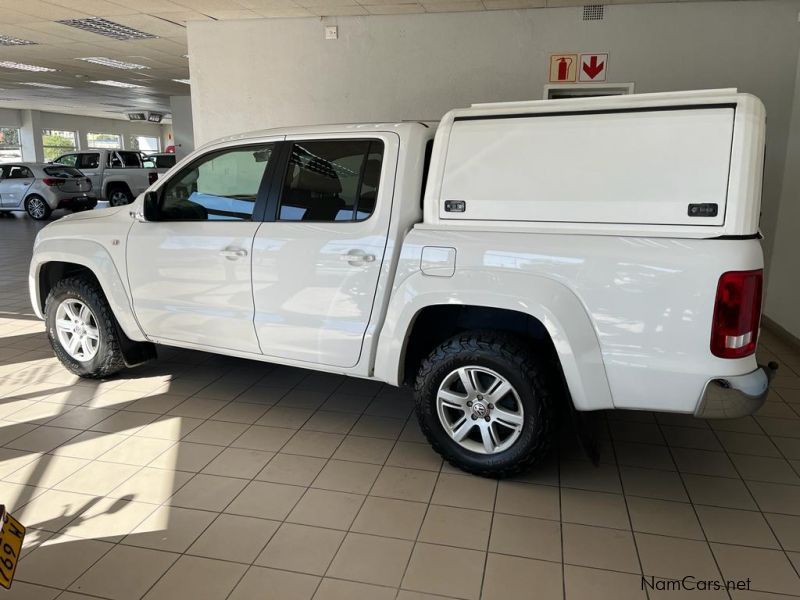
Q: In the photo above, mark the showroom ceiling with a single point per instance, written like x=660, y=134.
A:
x=148, y=39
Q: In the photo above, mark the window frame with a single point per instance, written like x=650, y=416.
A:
x=272, y=212
x=263, y=187
x=17, y=148
x=89, y=143
x=63, y=150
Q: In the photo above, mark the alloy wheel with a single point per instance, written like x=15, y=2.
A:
x=77, y=329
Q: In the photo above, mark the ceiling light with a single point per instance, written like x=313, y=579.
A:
x=119, y=84
x=10, y=64
x=51, y=86
x=7, y=40
x=114, y=64
x=107, y=28
x=186, y=81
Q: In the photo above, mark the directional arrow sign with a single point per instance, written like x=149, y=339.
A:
x=593, y=67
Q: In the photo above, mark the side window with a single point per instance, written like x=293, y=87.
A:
x=88, y=161
x=221, y=186
x=334, y=180
x=68, y=159
x=18, y=172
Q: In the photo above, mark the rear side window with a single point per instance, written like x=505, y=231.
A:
x=88, y=161
x=122, y=159
x=331, y=180
x=62, y=172
x=221, y=186
x=69, y=160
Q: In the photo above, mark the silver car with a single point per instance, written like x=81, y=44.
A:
x=39, y=189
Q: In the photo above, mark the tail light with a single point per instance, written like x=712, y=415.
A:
x=737, y=312
x=51, y=181
x=151, y=177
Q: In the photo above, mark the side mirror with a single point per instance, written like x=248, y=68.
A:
x=150, y=206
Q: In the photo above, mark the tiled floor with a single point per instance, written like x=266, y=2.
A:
x=204, y=477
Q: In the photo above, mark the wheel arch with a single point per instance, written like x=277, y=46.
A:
x=535, y=308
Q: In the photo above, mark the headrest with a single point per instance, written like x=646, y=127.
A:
x=318, y=176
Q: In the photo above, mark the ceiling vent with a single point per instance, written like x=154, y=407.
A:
x=593, y=12
x=107, y=28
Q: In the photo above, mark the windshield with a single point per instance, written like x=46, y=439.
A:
x=62, y=171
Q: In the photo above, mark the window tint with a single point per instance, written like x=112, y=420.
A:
x=70, y=160
x=221, y=186
x=62, y=172
x=88, y=161
x=17, y=172
x=120, y=159
x=333, y=180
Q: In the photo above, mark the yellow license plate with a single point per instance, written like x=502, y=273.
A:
x=11, y=535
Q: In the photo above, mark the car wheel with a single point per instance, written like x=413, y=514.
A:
x=119, y=196
x=82, y=329
x=37, y=208
x=483, y=404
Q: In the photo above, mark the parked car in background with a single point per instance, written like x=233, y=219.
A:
x=41, y=188
x=117, y=175
x=160, y=160
x=473, y=262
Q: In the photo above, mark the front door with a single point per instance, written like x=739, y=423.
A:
x=190, y=268
x=16, y=179
x=316, y=264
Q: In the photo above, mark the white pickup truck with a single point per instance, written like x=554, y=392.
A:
x=117, y=175
x=601, y=253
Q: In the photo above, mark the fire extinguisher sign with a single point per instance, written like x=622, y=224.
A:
x=563, y=68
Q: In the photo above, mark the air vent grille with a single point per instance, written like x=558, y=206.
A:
x=593, y=12
x=9, y=40
x=107, y=28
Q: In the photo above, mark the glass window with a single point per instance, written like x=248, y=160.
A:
x=10, y=148
x=90, y=160
x=70, y=160
x=145, y=143
x=122, y=160
x=16, y=172
x=62, y=172
x=221, y=186
x=110, y=141
x=159, y=161
x=57, y=142
x=333, y=180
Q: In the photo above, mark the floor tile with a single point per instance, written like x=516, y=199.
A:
x=330, y=421
x=584, y=582
x=233, y=537
x=673, y=557
x=586, y=476
x=194, y=578
x=113, y=576
x=208, y=492
x=594, y=508
x=444, y=570
x=267, y=439
x=510, y=576
x=313, y=443
x=219, y=433
x=650, y=483
x=527, y=500
x=301, y=548
x=60, y=560
x=405, y=484
x=151, y=485
x=335, y=589
x=599, y=547
x=765, y=468
x=461, y=527
x=776, y=497
x=371, y=559
x=527, y=537
x=346, y=476
x=769, y=570
x=719, y=491
x=364, y=449
x=97, y=478
x=136, y=451
x=265, y=500
x=390, y=517
x=186, y=456
x=325, y=508
x=170, y=528
x=281, y=584
x=787, y=529
x=380, y=427
x=414, y=456
x=664, y=517
x=238, y=462
x=731, y=526
x=292, y=469
x=466, y=491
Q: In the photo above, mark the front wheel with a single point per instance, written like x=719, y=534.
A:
x=483, y=404
x=37, y=208
x=82, y=330
x=119, y=196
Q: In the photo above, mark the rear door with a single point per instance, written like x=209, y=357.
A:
x=317, y=257
x=14, y=185
x=89, y=165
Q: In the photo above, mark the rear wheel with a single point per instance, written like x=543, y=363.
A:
x=37, y=208
x=483, y=404
x=119, y=195
x=82, y=330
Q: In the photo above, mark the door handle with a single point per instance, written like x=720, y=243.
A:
x=356, y=257
x=233, y=253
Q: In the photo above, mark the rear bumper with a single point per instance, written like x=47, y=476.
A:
x=739, y=396
x=77, y=202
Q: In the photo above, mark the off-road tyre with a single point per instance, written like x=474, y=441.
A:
x=108, y=359
x=531, y=377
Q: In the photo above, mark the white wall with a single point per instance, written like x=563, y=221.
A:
x=419, y=66
x=182, y=125
x=783, y=293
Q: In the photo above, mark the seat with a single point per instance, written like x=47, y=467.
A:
x=314, y=190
